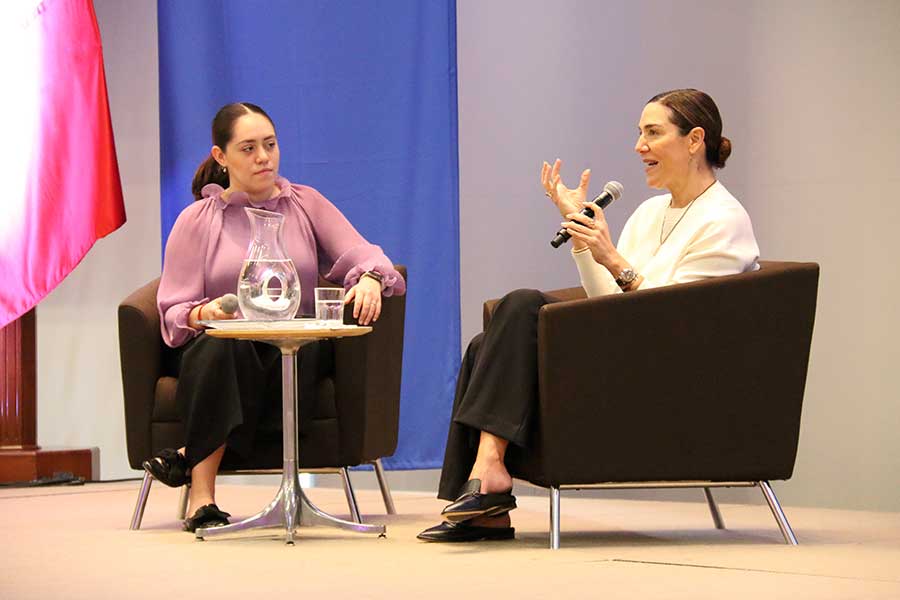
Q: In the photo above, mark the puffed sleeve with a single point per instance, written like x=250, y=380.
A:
x=344, y=254
x=182, y=285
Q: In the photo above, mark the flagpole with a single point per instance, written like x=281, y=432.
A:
x=21, y=459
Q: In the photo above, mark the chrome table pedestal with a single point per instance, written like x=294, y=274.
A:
x=290, y=508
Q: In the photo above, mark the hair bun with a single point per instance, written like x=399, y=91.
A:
x=724, y=152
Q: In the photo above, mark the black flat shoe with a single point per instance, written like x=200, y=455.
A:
x=463, y=532
x=471, y=503
x=206, y=516
x=169, y=467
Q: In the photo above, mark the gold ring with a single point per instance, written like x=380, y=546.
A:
x=549, y=195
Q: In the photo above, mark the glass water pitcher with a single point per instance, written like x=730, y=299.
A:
x=268, y=287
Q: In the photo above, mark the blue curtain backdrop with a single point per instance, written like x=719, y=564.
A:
x=363, y=96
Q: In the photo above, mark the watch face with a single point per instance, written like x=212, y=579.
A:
x=626, y=277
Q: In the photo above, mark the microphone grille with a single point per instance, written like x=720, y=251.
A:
x=615, y=189
x=229, y=303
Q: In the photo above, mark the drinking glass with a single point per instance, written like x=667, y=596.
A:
x=330, y=305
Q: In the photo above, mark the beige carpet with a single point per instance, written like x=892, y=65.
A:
x=74, y=542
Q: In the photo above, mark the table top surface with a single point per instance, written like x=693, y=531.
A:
x=296, y=329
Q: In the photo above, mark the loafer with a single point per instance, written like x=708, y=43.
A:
x=170, y=467
x=463, y=532
x=206, y=516
x=472, y=503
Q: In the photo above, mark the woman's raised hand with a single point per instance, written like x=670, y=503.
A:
x=566, y=200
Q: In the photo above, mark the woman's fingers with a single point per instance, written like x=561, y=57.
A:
x=545, y=180
x=374, y=308
x=579, y=235
x=573, y=226
x=367, y=308
x=363, y=305
x=585, y=180
x=213, y=312
x=593, y=228
x=581, y=218
x=366, y=302
x=366, y=298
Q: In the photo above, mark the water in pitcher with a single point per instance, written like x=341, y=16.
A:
x=269, y=289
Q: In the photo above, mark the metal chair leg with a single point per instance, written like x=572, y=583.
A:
x=783, y=525
x=554, y=518
x=385, y=489
x=714, y=509
x=141, y=503
x=183, y=501
x=351, y=497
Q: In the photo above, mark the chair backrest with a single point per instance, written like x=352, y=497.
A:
x=700, y=380
x=141, y=361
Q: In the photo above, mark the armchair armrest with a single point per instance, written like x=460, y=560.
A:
x=573, y=293
x=367, y=381
x=141, y=362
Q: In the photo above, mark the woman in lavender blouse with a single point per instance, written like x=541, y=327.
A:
x=222, y=386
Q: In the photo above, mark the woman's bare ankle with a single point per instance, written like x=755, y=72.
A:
x=195, y=505
x=494, y=477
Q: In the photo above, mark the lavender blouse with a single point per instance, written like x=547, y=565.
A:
x=210, y=238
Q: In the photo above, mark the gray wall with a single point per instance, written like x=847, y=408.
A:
x=809, y=98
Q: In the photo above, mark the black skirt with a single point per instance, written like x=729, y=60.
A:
x=229, y=392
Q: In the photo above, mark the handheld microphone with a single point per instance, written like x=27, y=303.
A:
x=611, y=191
x=229, y=304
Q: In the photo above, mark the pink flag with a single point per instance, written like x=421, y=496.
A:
x=62, y=190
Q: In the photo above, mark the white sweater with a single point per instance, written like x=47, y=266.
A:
x=713, y=238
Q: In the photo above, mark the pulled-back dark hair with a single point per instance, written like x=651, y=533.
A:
x=693, y=108
x=209, y=170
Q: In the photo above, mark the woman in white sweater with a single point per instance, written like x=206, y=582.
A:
x=695, y=231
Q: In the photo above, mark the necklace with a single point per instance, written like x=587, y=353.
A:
x=662, y=239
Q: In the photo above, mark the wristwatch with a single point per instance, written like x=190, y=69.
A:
x=374, y=275
x=626, y=278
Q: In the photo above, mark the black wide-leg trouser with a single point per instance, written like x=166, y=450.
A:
x=497, y=387
x=227, y=387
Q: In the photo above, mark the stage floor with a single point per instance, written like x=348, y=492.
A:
x=74, y=542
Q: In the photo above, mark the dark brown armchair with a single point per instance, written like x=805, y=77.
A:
x=355, y=420
x=693, y=385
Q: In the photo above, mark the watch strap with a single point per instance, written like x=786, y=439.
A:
x=374, y=275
